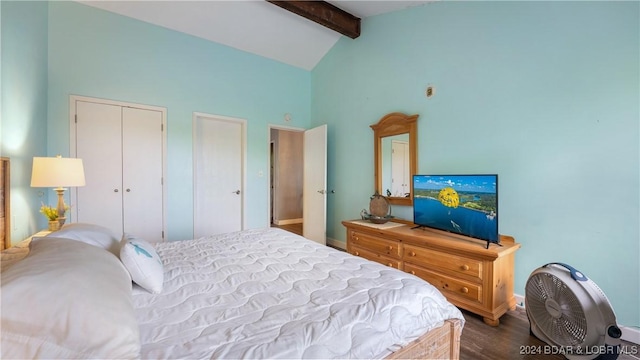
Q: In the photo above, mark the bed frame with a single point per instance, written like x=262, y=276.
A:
x=440, y=343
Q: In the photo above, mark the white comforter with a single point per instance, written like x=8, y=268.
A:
x=268, y=293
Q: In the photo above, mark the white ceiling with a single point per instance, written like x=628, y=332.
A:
x=253, y=26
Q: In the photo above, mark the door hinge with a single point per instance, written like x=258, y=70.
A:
x=76, y=118
x=162, y=234
x=161, y=127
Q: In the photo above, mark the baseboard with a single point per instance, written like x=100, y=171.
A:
x=630, y=334
x=288, y=221
x=336, y=243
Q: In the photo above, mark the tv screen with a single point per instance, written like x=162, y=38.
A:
x=461, y=204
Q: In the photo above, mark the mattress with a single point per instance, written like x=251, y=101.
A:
x=268, y=293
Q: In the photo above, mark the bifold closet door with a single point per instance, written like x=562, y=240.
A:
x=142, y=173
x=99, y=145
x=122, y=152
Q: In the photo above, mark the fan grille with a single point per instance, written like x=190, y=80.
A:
x=569, y=326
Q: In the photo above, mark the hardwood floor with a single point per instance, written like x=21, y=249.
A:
x=511, y=340
x=294, y=228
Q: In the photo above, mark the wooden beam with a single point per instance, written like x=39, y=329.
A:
x=324, y=14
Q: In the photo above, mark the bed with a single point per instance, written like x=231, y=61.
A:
x=262, y=293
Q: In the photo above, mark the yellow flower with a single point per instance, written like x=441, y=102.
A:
x=449, y=197
x=50, y=212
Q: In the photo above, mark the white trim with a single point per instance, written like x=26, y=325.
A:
x=243, y=125
x=269, y=128
x=337, y=243
x=73, y=146
x=630, y=334
x=289, y=221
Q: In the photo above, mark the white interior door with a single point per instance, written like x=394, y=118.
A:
x=219, y=151
x=98, y=143
x=315, y=184
x=142, y=173
x=399, y=168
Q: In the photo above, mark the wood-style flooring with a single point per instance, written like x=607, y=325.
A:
x=294, y=228
x=511, y=340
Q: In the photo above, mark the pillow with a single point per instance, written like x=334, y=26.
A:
x=143, y=263
x=67, y=299
x=92, y=234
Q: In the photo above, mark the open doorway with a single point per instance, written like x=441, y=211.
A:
x=286, y=179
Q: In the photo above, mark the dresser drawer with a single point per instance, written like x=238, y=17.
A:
x=369, y=255
x=444, y=262
x=375, y=244
x=450, y=287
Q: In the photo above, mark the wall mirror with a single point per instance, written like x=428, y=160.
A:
x=395, y=154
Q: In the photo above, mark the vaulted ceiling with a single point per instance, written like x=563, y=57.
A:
x=255, y=26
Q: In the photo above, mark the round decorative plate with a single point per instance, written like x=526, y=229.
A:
x=379, y=206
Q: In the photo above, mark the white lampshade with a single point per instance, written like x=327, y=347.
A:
x=57, y=172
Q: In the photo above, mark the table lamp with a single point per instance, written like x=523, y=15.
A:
x=57, y=172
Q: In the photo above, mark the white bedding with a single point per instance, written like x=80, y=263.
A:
x=271, y=294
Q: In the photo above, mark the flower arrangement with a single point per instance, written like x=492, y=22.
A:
x=51, y=212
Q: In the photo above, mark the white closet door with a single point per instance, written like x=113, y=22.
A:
x=142, y=173
x=98, y=143
x=218, y=174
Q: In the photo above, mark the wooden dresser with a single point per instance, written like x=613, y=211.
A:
x=471, y=276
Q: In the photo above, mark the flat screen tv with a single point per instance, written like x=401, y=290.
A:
x=461, y=204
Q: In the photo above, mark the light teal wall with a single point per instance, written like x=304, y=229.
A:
x=99, y=54
x=545, y=94
x=24, y=106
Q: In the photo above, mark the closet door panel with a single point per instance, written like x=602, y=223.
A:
x=99, y=145
x=142, y=173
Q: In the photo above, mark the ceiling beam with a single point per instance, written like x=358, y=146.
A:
x=324, y=14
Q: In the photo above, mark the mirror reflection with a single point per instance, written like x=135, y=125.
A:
x=396, y=173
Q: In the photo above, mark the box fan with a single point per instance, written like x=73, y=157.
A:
x=570, y=313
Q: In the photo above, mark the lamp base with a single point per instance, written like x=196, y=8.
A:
x=62, y=208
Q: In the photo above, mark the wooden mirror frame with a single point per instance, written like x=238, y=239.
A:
x=5, y=209
x=395, y=124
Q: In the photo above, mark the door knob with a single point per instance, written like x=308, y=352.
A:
x=128, y=190
x=237, y=192
x=115, y=190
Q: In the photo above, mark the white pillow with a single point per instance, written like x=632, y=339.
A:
x=67, y=299
x=93, y=234
x=143, y=263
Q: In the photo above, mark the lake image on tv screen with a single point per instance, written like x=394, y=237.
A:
x=462, y=204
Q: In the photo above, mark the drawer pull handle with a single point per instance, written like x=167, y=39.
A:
x=389, y=247
x=357, y=253
x=413, y=272
x=465, y=267
x=413, y=253
x=390, y=264
x=464, y=289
